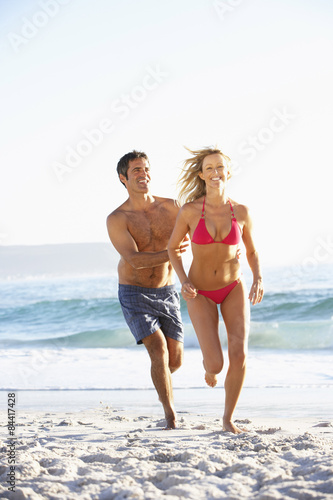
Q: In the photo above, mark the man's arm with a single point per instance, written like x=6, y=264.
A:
x=126, y=246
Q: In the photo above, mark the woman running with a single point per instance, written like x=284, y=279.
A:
x=216, y=225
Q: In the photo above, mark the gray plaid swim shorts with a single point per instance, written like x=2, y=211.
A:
x=148, y=309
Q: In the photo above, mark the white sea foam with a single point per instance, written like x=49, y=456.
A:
x=130, y=369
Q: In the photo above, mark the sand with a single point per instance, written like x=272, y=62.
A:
x=106, y=453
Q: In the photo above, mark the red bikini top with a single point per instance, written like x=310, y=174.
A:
x=201, y=235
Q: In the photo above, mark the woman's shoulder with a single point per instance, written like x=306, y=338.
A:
x=192, y=206
x=241, y=211
x=191, y=210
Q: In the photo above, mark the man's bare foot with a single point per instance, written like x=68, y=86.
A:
x=171, y=419
x=211, y=379
x=171, y=423
x=229, y=426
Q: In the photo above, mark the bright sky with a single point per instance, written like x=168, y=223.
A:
x=85, y=82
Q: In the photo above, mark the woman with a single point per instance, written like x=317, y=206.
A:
x=216, y=226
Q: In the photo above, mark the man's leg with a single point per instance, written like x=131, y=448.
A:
x=157, y=347
x=176, y=350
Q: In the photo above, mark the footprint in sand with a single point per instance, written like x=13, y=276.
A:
x=324, y=424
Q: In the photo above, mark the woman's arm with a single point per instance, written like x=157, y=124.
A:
x=257, y=290
x=174, y=249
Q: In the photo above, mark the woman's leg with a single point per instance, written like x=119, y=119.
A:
x=236, y=315
x=205, y=319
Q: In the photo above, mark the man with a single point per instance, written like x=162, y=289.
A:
x=140, y=230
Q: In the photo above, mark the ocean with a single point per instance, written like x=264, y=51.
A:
x=64, y=342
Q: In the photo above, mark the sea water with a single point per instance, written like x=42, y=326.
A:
x=64, y=342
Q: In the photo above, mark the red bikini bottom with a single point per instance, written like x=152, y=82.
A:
x=218, y=296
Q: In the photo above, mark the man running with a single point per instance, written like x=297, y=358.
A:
x=140, y=229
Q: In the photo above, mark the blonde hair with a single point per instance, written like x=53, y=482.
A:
x=191, y=185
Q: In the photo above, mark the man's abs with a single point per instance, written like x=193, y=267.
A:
x=154, y=277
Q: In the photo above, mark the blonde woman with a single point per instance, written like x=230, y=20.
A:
x=216, y=226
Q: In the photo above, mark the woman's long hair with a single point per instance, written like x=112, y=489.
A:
x=191, y=185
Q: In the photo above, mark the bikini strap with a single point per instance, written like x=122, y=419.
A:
x=232, y=210
x=203, y=208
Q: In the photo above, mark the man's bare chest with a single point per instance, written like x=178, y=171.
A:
x=151, y=230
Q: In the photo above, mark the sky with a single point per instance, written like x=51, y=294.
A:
x=83, y=83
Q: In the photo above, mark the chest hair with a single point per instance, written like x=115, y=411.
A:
x=151, y=229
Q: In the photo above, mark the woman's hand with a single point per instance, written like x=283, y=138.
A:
x=257, y=291
x=188, y=291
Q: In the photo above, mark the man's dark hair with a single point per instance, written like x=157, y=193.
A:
x=123, y=163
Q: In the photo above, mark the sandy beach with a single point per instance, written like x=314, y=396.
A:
x=108, y=453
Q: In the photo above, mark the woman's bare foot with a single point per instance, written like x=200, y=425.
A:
x=211, y=379
x=229, y=426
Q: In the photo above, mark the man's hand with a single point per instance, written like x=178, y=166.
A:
x=184, y=244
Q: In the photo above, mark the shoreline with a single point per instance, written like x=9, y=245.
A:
x=307, y=401
x=106, y=452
